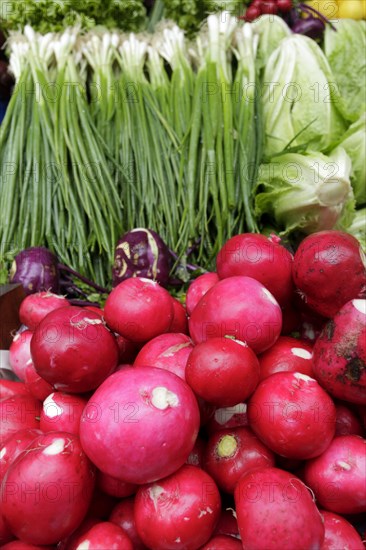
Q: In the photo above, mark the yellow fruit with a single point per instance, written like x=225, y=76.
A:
x=351, y=9
x=328, y=8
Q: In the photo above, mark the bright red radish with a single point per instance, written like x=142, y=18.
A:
x=140, y=425
x=227, y=524
x=240, y=307
x=123, y=516
x=180, y=320
x=340, y=354
x=5, y=534
x=104, y=535
x=339, y=533
x=275, y=510
x=73, y=350
x=13, y=446
x=222, y=371
x=229, y=454
x=18, y=545
x=47, y=489
x=222, y=542
x=337, y=477
x=10, y=388
x=127, y=350
x=62, y=412
x=260, y=257
x=287, y=354
x=347, y=421
x=168, y=351
x=228, y=417
x=329, y=270
x=292, y=415
x=139, y=309
x=179, y=511
x=36, y=306
x=198, y=288
x=19, y=353
x=19, y=412
x=196, y=455
x=36, y=385
x=114, y=487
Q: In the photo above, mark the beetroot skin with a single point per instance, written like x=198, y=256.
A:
x=340, y=354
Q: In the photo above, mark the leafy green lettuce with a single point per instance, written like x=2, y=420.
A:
x=299, y=98
x=271, y=29
x=345, y=50
x=358, y=227
x=306, y=192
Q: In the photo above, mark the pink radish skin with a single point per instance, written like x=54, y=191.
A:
x=18, y=545
x=123, y=516
x=229, y=454
x=168, y=351
x=10, y=388
x=36, y=306
x=13, y=446
x=19, y=353
x=128, y=407
x=180, y=319
x=222, y=542
x=222, y=371
x=287, y=354
x=5, y=534
x=292, y=415
x=329, y=270
x=47, y=490
x=240, y=307
x=161, y=509
x=19, y=412
x=228, y=417
x=198, y=288
x=36, y=385
x=260, y=257
x=139, y=309
x=337, y=477
x=73, y=350
x=115, y=487
x=347, y=422
x=339, y=533
x=340, y=354
x=62, y=412
x=104, y=535
x=275, y=510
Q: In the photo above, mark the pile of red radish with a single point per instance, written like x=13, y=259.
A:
x=236, y=423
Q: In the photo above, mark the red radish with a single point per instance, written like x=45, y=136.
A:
x=5, y=534
x=340, y=354
x=269, y=6
x=179, y=511
x=71, y=542
x=329, y=270
x=73, y=350
x=252, y=13
x=10, y=388
x=222, y=371
x=339, y=533
x=347, y=422
x=96, y=309
x=19, y=412
x=18, y=545
x=227, y=524
x=196, y=455
x=287, y=354
x=104, y=535
x=275, y=510
x=14, y=445
x=284, y=6
x=114, y=487
x=337, y=477
x=36, y=385
x=260, y=257
x=229, y=454
x=228, y=417
x=47, y=489
x=206, y=410
x=292, y=415
x=123, y=516
x=180, y=320
x=291, y=319
x=127, y=350
x=139, y=309
x=198, y=288
x=240, y=307
x=35, y=307
x=222, y=542
x=153, y=410
x=19, y=352
x=101, y=505
x=62, y=412
x=168, y=351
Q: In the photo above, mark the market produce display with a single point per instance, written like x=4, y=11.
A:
x=151, y=445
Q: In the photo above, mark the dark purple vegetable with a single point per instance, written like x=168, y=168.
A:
x=311, y=26
x=141, y=253
x=36, y=268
